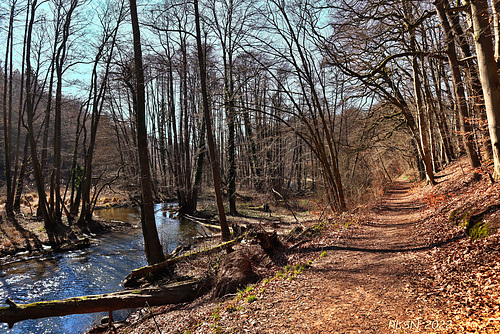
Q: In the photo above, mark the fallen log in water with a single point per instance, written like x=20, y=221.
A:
x=155, y=267
x=170, y=294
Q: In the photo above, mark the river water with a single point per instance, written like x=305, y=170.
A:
x=95, y=270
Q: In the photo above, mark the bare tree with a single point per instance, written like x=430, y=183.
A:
x=7, y=111
x=55, y=229
x=458, y=85
x=98, y=90
x=309, y=106
x=229, y=20
x=61, y=57
x=154, y=252
x=208, y=123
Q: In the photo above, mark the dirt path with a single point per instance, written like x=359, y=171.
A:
x=356, y=284
x=359, y=286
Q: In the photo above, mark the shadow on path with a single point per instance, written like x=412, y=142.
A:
x=375, y=250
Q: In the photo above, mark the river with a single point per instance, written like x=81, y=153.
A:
x=95, y=270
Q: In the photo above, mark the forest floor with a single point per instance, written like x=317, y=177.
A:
x=405, y=265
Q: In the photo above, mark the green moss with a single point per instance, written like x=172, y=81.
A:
x=319, y=226
x=479, y=230
x=299, y=268
x=251, y=298
x=215, y=314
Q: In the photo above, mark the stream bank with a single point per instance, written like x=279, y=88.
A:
x=97, y=269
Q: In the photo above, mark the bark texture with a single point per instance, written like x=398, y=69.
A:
x=488, y=75
x=171, y=294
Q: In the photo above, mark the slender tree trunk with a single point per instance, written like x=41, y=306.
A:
x=59, y=62
x=198, y=172
x=440, y=115
x=154, y=252
x=256, y=171
x=162, y=142
x=495, y=7
x=20, y=178
x=99, y=89
x=208, y=121
x=48, y=110
x=76, y=171
x=7, y=111
x=50, y=225
x=429, y=107
x=417, y=85
x=231, y=140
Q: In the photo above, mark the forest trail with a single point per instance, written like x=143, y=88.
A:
x=358, y=282
x=359, y=286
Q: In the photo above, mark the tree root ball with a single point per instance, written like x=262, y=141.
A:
x=235, y=272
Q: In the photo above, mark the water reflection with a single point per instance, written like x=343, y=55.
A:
x=95, y=270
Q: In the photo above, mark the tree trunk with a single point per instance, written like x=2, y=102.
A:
x=158, y=266
x=7, y=111
x=488, y=75
x=59, y=62
x=231, y=140
x=458, y=88
x=154, y=252
x=495, y=7
x=20, y=178
x=99, y=88
x=255, y=169
x=198, y=173
x=171, y=294
x=417, y=85
x=42, y=200
x=475, y=91
x=208, y=121
x=440, y=115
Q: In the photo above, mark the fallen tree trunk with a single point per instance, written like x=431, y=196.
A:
x=155, y=267
x=171, y=294
x=208, y=223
